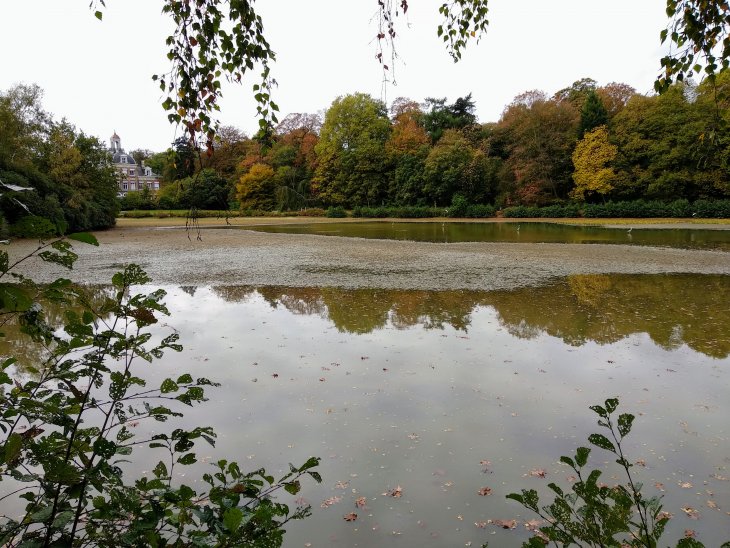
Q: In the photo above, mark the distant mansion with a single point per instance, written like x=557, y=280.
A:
x=131, y=176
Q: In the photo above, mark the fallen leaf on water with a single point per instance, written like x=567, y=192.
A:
x=685, y=485
x=689, y=533
x=534, y=524
x=481, y=524
x=395, y=493
x=691, y=512
x=352, y=516
x=484, y=491
x=413, y=436
x=275, y=375
x=342, y=484
x=719, y=477
x=321, y=379
x=538, y=473
x=659, y=486
x=330, y=501
x=640, y=462
x=361, y=502
x=664, y=515
x=711, y=504
x=506, y=523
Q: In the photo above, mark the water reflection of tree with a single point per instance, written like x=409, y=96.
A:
x=17, y=344
x=673, y=309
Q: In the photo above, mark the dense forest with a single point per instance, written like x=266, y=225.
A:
x=585, y=144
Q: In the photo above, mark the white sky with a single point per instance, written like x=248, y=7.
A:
x=98, y=74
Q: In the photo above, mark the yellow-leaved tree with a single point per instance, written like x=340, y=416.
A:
x=592, y=159
x=255, y=189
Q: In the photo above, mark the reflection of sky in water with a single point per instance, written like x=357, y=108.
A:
x=420, y=408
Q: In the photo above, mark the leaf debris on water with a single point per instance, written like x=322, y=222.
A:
x=485, y=491
x=691, y=512
x=352, y=516
x=326, y=503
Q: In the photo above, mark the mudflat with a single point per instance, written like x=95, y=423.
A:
x=173, y=255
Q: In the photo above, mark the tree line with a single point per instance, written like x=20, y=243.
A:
x=585, y=144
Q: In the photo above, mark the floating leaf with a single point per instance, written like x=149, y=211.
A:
x=352, y=516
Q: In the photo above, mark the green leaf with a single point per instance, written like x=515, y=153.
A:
x=292, y=487
x=98, y=15
x=625, y=421
x=611, y=405
x=14, y=298
x=168, y=385
x=63, y=518
x=232, y=519
x=84, y=237
x=105, y=448
x=160, y=471
x=185, y=379
x=581, y=456
x=189, y=458
x=599, y=440
x=12, y=448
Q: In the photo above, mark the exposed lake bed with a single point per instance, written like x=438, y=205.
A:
x=443, y=368
x=174, y=255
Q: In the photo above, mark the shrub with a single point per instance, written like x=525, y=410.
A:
x=480, y=211
x=32, y=226
x=593, y=513
x=459, y=205
x=336, y=212
x=552, y=211
x=711, y=209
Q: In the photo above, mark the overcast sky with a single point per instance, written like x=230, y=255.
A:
x=98, y=74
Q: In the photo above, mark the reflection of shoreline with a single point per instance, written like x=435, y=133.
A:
x=673, y=309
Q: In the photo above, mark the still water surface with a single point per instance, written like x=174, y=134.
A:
x=514, y=232
x=443, y=393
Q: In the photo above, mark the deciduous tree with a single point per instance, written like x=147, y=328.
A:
x=592, y=159
x=351, y=152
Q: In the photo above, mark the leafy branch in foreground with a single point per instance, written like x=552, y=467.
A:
x=594, y=514
x=68, y=429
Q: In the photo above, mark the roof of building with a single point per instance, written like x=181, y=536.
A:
x=117, y=158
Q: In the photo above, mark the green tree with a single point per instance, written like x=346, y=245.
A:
x=441, y=116
x=447, y=169
x=592, y=159
x=664, y=150
x=592, y=115
x=351, y=152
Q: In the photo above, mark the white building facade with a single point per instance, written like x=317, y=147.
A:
x=132, y=177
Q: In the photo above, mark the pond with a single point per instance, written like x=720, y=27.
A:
x=514, y=232
x=434, y=395
x=437, y=394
